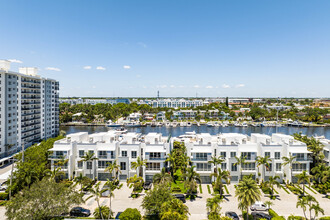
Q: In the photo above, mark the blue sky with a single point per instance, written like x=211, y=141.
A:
x=235, y=48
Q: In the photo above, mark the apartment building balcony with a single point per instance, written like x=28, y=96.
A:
x=199, y=159
x=29, y=108
x=34, y=113
x=105, y=157
x=30, y=87
x=31, y=135
x=157, y=158
x=58, y=157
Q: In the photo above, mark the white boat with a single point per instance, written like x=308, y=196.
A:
x=189, y=124
x=244, y=124
x=209, y=124
x=168, y=124
x=121, y=130
x=216, y=124
x=112, y=124
x=159, y=124
x=174, y=124
x=132, y=124
x=183, y=124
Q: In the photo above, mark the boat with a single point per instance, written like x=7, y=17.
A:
x=174, y=124
x=295, y=124
x=209, y=124
x=112, y=124
x=159, y=124
x=216, y=124
x=244, y=124
x=121, y=130
x=168, y=124
x=132, y=124
x=188, y=124
x=183, y=124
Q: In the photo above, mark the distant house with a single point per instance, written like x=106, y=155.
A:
x=148, y=116
x=79, y=117
x=134, y=116
x=99, y=119
x=161, y=116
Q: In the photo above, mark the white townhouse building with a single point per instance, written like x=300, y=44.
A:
x=29, y=108
x=172, y=103
x=153, y=147
x=326, y=150
x=109, y=147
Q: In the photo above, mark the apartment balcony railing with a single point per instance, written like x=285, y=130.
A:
x=199, y=159
x=27, y=125
x=58, y=157
x=35, y=128
x=34, y=113
x=157, y=158
x=31, y=135
x=30, y=87
x=152, y=168
x=303, y=159
x=105, y=157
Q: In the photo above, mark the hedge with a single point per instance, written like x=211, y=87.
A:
x=3, y=196
x=200, y=189
x=209, y=189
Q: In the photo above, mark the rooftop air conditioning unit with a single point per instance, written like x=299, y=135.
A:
x=268, y=141
x=90, y=140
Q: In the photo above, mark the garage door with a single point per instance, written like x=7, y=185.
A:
x=103, y=176
x=122, y=177
x=206, y=179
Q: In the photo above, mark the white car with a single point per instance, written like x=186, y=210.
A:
x=259, y=206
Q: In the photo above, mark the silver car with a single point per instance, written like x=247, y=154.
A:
x=259, y=206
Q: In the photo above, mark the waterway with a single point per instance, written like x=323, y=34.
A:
x=174, y=132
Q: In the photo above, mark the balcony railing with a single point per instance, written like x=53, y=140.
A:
x=58, y=157
x=157, y=158
x=152, y=168
x=200, y=159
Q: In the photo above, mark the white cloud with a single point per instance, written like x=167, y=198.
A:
x=197, y=86
x=209, y=87
x=127, y=67
x=87, y=67
x=240, y=85
x=181, y=86
x=138, y=76
x=53, y=69
x=144, y=87
x=172, y=86
x=142, y=44
x=94, y=87
x=100, y=68
x=161, y=86
x=225, y=86
x=15, y=61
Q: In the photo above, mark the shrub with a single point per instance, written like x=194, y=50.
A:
x=130, y=214
x=200, y=189
x=3, y=196
x=176, y=189
x=292, y=217
x=325, y=218
x=105, y=212
x=3, y=203
x=209, y=189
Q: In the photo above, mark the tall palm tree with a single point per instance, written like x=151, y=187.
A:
x=273, y=182
x=289, y=161
x=89, y=157
x=54, y=173
x=264, y=161
x=247, y=193
x=191, y=178
x=113, y=168
x=303, y=204
x=79, y=180
x=311, y=203
x=216, y=161
x=304, y=178
x=139, y=165
x=221, y=175
x=239, y=162
x=112, y=185
x=96, y=192
x=171, y=160
x=317, y=209
x=319, y=172
x=162, y=178
x=213, y=205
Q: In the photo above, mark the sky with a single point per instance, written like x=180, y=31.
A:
x=181, y=48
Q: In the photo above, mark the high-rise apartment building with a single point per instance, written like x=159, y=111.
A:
x=29, y=108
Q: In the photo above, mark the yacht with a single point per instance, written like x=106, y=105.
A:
x=189, y=124
x=132, y=124
x=121, y=130
x=209, y=124
x=112, y=124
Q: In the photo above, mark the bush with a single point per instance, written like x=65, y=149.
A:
x=3, y=203
x=209, y=189
x=325, y=218
x=272, y=213
x=176, y=189
x=292, y=217
x=105, y=212
x=130, y=214
x=200, y=189
x=3, y=196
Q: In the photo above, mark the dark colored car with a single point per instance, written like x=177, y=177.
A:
x=147, y=185
x=80, y=212
x=259, y=215
x=180, y=197
x=118, y=214
x=232, y=215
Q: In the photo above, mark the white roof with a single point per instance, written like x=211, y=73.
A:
x=201, y=150
x=60, y=148
x=299, y=150
x=106, y=147
x=155, y=148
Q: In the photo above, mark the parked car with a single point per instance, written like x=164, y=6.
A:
x=180, y=197
x=80, y=212
x=259, y=206
x=118, y=214
x=147, y=185
x=259, y=215
x=3, y=186
x=232, y=215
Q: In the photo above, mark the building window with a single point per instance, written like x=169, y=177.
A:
x=80, y=164
x=278, y=167
x=277, y=155
x=233, y=167
x=153, y=166
x=203, y=167
x=81, y=153
x=89, y=165
x=299, y=167
x=223, y=166
x=267, y=154
x=248, y=155
x=123, y=165
x=201, y=156
x=154, y=155
x=124, y=153
x=249, y=166
x=223, y=154
x=232, y=154
x=134, y=154
x=103, y=164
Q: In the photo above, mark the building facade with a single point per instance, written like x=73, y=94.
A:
x=154, y=148
x=29, y=108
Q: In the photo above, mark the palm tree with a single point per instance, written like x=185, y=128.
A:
x=191, y=177
x=139, y=165
x=240, y=161
x=247, y=193
x=171, y=159
x=112, y=185
x=54, y=173
x=174, y=209
x=162, y=178
x=304, y=178
x=213, y=205
x=221, y=175
x=113, y=168
x=264, y=161
x=216, y=161
x=79, y=179
x=289, y=161
x=271, y=182
x=269, y=203
x=303, y=204
x=89, y=157
x=319, y=172
x=317, y=209
x=311, y=203
x=96, y=192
